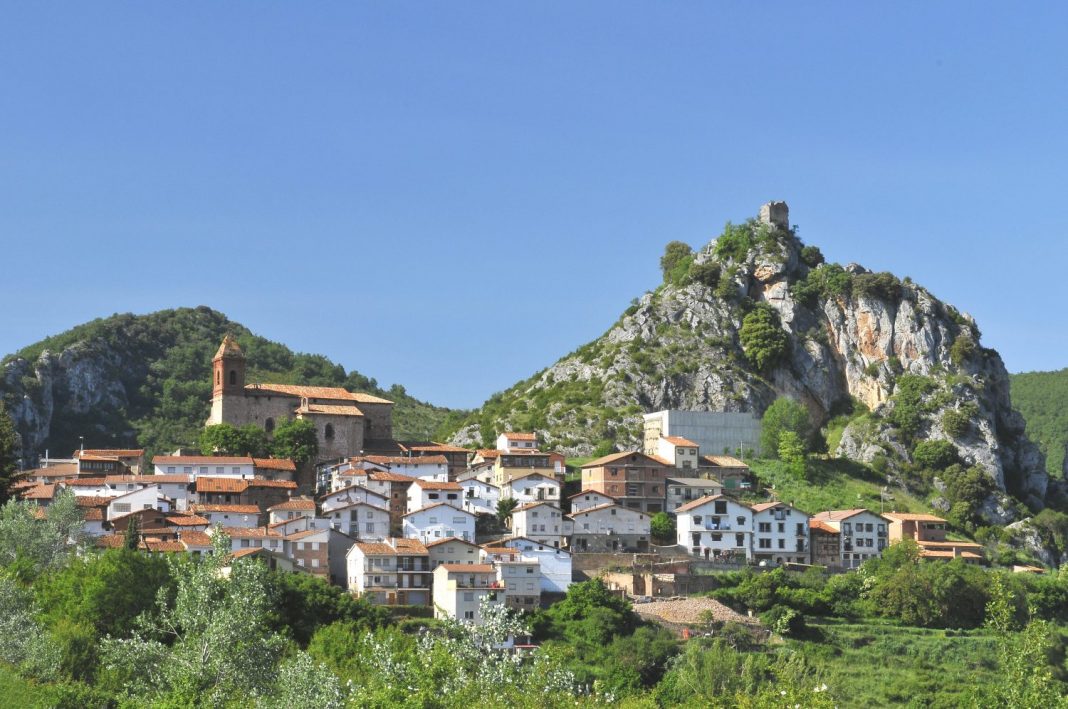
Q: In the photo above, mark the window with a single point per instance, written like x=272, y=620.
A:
x=764, y=527
x=782, y=543
x=847, y=528
x=741, y=520
x=244, y=543
x=315, y=563
x=716, y=537
x=739, y=540
x=219, y=470
x=764, y=543
x=171, y=469
x=233, y=377
x=328, y=434
x=469, y=596
x=469, y=615
x=204, y=470
x=782, y=527
x=300, y=546
x=187, y=468
x=235, y=470
x=268, y=425
x=721, y=507
x=122, y=507
x=697, y=519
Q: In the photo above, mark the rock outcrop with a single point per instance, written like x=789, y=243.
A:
x=853, y=337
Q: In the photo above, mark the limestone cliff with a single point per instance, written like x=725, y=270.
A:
x=840, y=339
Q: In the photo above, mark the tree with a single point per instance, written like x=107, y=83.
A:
x=297, y=440
x=29, y=545
x=811, y=256
x=792, y=452
x=132, y=538
x=505, y=507
x=225, y=439
x=762, y=337
x=677, y=257
x=783, y=415
x=662, y=527
x=303, y=603
x=8, y=462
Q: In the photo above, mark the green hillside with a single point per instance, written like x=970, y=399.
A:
x=161, y=364
x=1042, y=398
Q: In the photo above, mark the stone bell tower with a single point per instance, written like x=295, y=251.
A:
x=228, y=368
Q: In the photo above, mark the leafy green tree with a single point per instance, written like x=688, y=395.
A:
x=22, y=642
x=132, y=538
x=303, y=603
x=783, y=415
x=29, y=545
x=226, y=439
x=8, y=462
x=662, y=527
x=505, y=507
x=763, y=340
x=792, y=452
x=963, y=349
x=811, y=256
x=676, y=259
x=297, y=440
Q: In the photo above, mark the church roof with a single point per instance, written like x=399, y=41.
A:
x=329, y=410
x=229, y=348
x=335, y=393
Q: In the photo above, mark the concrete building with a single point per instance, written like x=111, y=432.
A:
x=714, y=432
x=542, y=522
x=929, y=533
x=555, y=564
x=532, y=487
x=590, y=498
x=683, y=490
x=360, y=520
x=715, y=527
x=392, y=572
x=522, y=583
x=609, y=528
x=680, y=452
x=780, y=533
x=439, y=521
x=480, y=497
x=459, y=590
x=453, y=551
x=424, y=493
x=509, y=442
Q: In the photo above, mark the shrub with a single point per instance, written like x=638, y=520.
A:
x=962, y=350
x=909, y=407
x=957, y=422
x=676, y=259
x=783, y=620
x=877, y=285
x=811, y=256
x=824, y=281
x=735, y=242
x=762, y=337
x=935, y=455
x=706, y=273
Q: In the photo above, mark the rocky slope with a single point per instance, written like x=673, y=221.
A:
x=756, y=315
x=146, y=380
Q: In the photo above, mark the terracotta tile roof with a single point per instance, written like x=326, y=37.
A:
x=907, y=517
x=376, y=548
x=111, y=541
x=86, y=482
x=439, y=504
x=679, y=441
x=724, y=461
x=697, y=503
x=435, y=485
x=251, y=551
x=605, y=507
x=500, y=550
x=469, y=568
x=201, y=460
x=312, y=392
x=40, y=492
x=391, y=477
x=617, y=457
x=228, y=348
x=114, y=452
x=948, y=554
x=488, y=452
x=451, y=539
x=761, y=506
x=295, y=536
x=294, y=504
x=838, y=515
x=163, y=546
x=533, y=473
x=151, y=479
x=590, y=492
x=237, y=509
x=439, y=447
x=94, y=514
x=822, y=526
x=361, y=488
x=206, y=484
x=92, y=501
x=520, y=436
x=275, y=464
x=188, y=521
x=410, y=546
x=532, y=505
x=329, y=410
x=406, y=460
x=242, y=532
x=949, y=545
x=195, y=538
x=259, y=482
x=54, y=470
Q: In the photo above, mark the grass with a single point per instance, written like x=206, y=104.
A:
x=19, y=692
x=833, y=484
x=873, y=664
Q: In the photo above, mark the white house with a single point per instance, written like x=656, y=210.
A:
x=715, y=527
x=609, y=528
x=246, y=516
x=427, y=467
x=511, y=441
x=300, y=524
x=555, y=564
x=360, y=520
x=532, y=487
x=682, y=490
x=439, y=521
x=780, y=533
x=459, y=590
x=393, y=571
x=252, y=538
x=542, y=522
x=146, y=498
x=291, y=509
x=590, y=498
x=215, y=466
x=862, y=534
x=424, y=493
x=349, y=495
x=453, y=551
x=680, y=452
x=480, y=497
x=521, y=581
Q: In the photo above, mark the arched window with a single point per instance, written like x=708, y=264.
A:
x=218, y=377
x=268, y=425
x=233, y=377
x=329, y=433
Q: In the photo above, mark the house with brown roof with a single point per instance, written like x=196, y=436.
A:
x=229, y=515
x=460, y=589
x=780, y=533
x=291, y=509
x=679, y=452
x=510, y=441
x=532, y=487
x=543, y=522
x=862, y=535
x=132, y=460
x=716, y=527
x=439, y=521
x=394, y=571
x=360, y=520
x=453, y=550
x=424, y=493
x=590, y=498
x=929, y=533
x=635, y=479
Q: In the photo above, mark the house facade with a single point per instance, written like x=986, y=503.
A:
x=780, y=533
x=715, y=527
x=609, y=528
x=635, y=479
x=439, y=521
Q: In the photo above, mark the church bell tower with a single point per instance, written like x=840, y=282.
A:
x=228, y=369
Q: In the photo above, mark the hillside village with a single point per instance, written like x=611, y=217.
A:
x=428, y=524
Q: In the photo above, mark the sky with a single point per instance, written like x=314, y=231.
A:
x=451, y=196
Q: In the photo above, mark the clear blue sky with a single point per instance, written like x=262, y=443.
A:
x=453, y=195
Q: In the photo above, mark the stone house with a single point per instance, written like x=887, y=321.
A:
x=610, y=528
x=635, y=479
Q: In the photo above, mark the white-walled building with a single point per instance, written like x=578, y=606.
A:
x=428, y=467
x=683, y=490
x=360, y=520
x=211, y=465
x=609, y=528
x=392, y=572
x=542, y=522
x=453, y=551
x=521, y=581
x=555, y=564
x=424, y=493
x=862, y=534
x=680, y=452
x=459, y=590
x=291, y=509
x=511, y=441
x=146, y=498
x=780, y=533
x=439, y=521
x=532, y=487
x=480, y=497
x=246, y=516
x=349, y=495
x=715, y=527
x=590, y=498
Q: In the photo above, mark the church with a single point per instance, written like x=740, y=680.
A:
x=347, y=422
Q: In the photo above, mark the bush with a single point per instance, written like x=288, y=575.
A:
x=783, y=621
x=883, y=285
x=962, y=350
x=762, y=337
x=706, y=273
x=734, y=243
x=811, y=256
x=825, y=281
x=935, y=455
x=957, y=422
x=676, y=261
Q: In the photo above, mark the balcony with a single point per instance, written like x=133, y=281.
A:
x=717, y=527
x=468, y=583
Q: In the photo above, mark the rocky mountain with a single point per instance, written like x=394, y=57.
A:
x=145, y=380
x=756, y=315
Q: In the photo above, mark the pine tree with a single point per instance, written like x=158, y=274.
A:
x=132, y=538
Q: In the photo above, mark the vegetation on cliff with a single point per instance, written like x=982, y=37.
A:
x=1042, y=398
